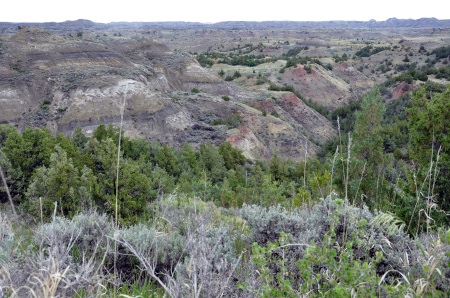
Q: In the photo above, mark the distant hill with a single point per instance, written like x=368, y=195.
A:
x=392, y=22
x=86, y=24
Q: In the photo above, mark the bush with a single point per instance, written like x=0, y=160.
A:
x=347, y=223
x=199, y=263
x=345, y=241
x=64, y=257
x=295, y=51
x=232, y=120
x=369, y=50
x=165, y=248
x=441, y=53
x=261, y=81
x=193, y=248
x=274, y=87
x=204, y=60
x=308, y=68
x=84, y=231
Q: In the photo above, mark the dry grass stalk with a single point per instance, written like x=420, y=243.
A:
x=116, y=219
x=7, y=191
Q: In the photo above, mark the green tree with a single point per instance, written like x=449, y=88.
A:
x=167, y=160
x=59, y=182
x=212, y=162
x=134, y=193
x=135, y=186
x=104, y=161
x=72, y=150
x=232, y=157
x=227, y=195
x=102, y=132
x=277, y=167
x=5, y=131
x=429, y=136
x=368, y=147
x=26, y=152
x=79, y=138
x=189, y=159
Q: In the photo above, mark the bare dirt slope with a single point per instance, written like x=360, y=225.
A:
x=81, y=74
x=65, y=82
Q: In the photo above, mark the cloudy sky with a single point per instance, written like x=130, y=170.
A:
x=215, y=11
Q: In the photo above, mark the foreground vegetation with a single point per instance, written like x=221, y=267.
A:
x=193, y=248
x=108, y=215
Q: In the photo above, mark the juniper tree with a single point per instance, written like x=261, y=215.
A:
x=59, y=182
x=429, y=144
x=367, y=143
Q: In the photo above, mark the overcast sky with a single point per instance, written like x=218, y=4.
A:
x=215, y=11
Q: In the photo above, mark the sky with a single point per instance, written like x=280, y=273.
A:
x=211, y=11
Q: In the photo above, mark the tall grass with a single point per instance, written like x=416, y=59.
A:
x=5, y=184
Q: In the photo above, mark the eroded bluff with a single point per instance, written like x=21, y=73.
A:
x=65, y=82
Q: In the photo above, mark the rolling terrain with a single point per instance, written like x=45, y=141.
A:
x=338, y=188
x=82, y=74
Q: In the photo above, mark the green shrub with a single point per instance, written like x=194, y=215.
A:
x=261, y=81
x=440, y=53
x=308, y=68
x=204, y=60
x=348, y=243
x=348, y=223
x=369, y=50
x=232, y=120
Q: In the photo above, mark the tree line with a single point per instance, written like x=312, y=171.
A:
x=377, y=160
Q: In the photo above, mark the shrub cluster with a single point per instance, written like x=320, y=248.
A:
x=191, y=247
x=370, y=50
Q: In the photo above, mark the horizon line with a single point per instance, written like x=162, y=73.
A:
x=229, y=21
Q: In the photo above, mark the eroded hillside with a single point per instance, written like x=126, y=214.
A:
x=196, y=82
x=65, y=82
